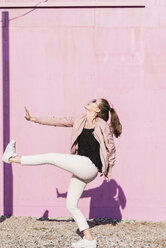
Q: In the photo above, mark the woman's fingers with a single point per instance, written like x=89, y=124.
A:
x=108, y=177
x=27, y=117
x=26, y=110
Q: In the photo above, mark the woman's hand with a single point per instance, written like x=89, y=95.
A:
x=27, y=117
x=109, y=176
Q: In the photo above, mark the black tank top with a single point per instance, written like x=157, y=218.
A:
x=88, y=146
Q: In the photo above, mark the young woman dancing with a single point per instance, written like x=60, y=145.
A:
x=92, y=151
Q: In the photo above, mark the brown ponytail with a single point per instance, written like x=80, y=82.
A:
x=104, y=114
x=115, y=123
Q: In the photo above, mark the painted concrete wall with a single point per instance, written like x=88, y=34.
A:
x=61, y=58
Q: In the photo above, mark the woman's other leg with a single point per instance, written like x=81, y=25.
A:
x=75, y=190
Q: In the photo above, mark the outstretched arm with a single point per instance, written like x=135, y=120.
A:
x=55, y=121
x=51, y=121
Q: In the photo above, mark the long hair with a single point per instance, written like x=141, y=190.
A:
x=105, y=108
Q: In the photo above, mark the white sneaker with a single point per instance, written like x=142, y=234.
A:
x=84, y=243
x=9, y=151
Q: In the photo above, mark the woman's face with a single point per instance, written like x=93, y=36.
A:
x=92, y=106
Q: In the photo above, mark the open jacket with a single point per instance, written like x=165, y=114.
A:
x=102, y=132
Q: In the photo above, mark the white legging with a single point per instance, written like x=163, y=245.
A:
x=83, y=170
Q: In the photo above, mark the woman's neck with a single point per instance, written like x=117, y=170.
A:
x=90, y=119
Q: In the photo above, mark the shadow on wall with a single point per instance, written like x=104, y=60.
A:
x=107, y=200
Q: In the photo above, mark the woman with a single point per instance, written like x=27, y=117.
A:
x=92, y=151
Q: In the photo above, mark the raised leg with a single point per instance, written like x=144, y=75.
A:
x=78, y=165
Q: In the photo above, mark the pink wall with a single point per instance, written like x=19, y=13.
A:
x=61, y=58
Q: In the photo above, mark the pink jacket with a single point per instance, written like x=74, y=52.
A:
x=102, y=133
